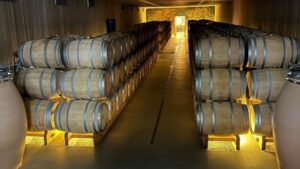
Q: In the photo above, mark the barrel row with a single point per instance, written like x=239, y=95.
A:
x=99, y=52
x=87, y=83
x=83, y=83
x=164, y=33
x=218, y=45
x=120, y=97
x=82, y=116
x=74, y=116
x=146, y=32
x=97, y=94
x=229, y=84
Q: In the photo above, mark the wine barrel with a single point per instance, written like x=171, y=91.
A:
x=38, y=83
x=114, y=74
x=135, y=61
x=88, y=53
x=124, y=41
x=43, y=53
x=138, y=80
x=261, y=119
x=39, y=113
x=112, y=107
x=225, y=118
x=81, y=116
x=132, y=83
x=273, y=51
x=121, y=67
x=13, y=124
x=220, y=52
x=128, y=88
x=266, y=84
x=90, y=84
x=140, y=56
x=116, y=44
x=128, y=66
x=220, y=84
x=123, y=92
x=120, y=97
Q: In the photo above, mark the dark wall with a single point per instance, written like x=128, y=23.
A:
x=276, y=16
x=224, y=12
x=31, y=19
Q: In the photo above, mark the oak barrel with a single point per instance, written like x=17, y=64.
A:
x=123, y=94
x=273, y=51
x=220, y=84
x=81, y=116
x=121, y=67
x=128, y=66
x=224, y=118
x=125, y=41
x=38, y=83
x=220, y=52
x=114, y=75
x=85, y=84
x=266, y=84
x=39, y=114
x=112, y=107
x=88, y=53
x=43, y=53
x=261, y=119
x=115, y=43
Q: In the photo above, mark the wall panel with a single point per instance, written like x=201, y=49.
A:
x=32, y=19
x=276, y=16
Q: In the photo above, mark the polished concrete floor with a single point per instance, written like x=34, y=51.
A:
x=156, y=130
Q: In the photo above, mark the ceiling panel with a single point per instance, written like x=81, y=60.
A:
x=168, y=2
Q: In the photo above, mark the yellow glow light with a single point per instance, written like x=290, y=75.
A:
x=179, y=20
x=81, y=142
x=243, y=139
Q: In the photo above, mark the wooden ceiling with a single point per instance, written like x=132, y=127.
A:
x=169, y=2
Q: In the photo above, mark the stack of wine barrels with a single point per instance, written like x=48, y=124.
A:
x=164, y=32
x=266, y=59
x=57, y=80
x=140, y=54
x=38, y=80
x=80, y=85
x=216, y=60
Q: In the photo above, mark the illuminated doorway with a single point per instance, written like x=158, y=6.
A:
x=180, y=26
